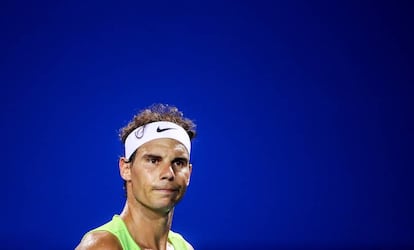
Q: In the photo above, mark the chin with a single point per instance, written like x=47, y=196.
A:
x=164, y=209
x=163, y=206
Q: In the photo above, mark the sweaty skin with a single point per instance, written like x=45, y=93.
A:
x=156, y=181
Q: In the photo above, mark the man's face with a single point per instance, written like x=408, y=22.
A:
x=159, y=174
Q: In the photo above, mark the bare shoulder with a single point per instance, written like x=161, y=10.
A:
x=99, y=240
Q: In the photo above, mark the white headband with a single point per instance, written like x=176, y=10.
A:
x=155, y=130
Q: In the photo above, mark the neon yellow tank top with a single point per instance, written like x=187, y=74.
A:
x=118, y=228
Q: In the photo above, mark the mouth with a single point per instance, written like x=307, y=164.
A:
x=166, y=190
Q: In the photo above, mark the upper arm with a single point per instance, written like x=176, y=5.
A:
x=99, y=240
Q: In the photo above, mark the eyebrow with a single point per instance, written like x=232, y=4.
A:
x=158, y=157
x=146, y=156
x=184, y=159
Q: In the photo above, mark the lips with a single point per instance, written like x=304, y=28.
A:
x=166, y=189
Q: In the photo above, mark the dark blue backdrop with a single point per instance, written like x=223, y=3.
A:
x=303, y=111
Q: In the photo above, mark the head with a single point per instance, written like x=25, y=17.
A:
x=156, y=166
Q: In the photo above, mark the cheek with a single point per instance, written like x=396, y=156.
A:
x=140, y=176
x=185, y=176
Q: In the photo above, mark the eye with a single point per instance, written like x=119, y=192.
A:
x=153, y=160
x=180, y=163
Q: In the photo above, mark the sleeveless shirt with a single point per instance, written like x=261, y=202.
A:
x=118, y=228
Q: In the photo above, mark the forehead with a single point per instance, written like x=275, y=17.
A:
x=163, y=146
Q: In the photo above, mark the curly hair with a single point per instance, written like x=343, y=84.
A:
x=155, y=113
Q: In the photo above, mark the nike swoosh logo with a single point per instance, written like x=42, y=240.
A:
x=159, y=130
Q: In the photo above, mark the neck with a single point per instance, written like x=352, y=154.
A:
x=147, y=227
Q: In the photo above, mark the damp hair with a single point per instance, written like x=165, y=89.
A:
x=156, y=113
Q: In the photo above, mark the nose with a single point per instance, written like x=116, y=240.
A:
x=167, y=172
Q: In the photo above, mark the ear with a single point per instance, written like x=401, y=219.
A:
x=125, y=169
x=190, y=169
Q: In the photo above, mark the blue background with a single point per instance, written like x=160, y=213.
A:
x=304, y=114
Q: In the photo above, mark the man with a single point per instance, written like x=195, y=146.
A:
x=156, y=170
